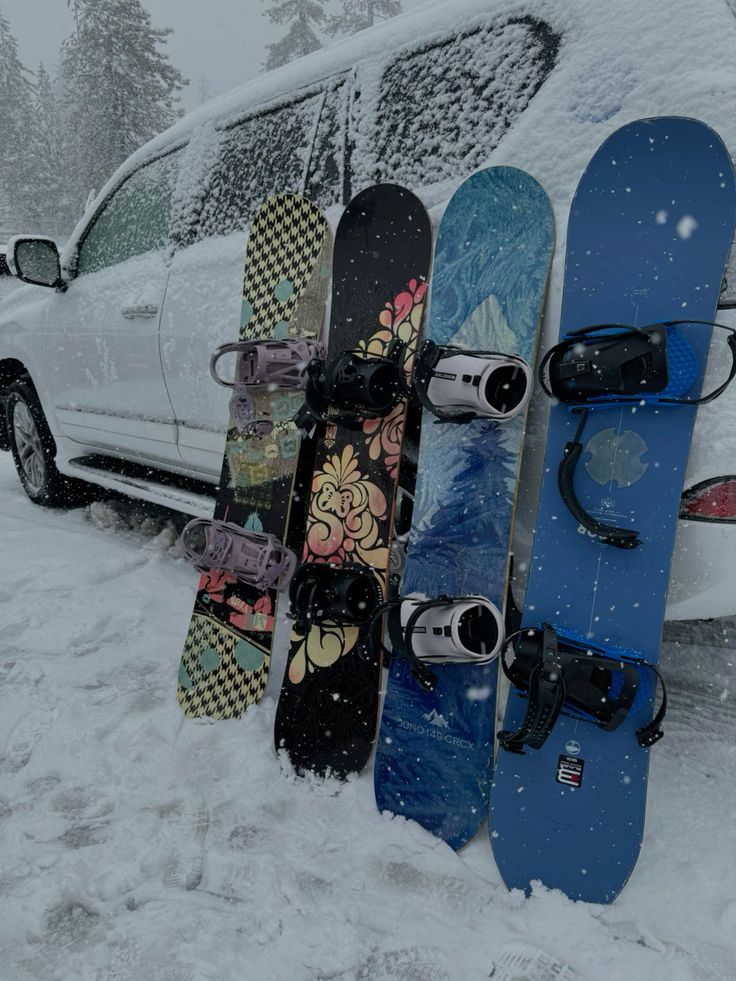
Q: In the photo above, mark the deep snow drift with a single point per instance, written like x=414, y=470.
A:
x=138, y=845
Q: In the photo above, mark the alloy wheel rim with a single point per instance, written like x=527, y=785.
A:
x=29, y=446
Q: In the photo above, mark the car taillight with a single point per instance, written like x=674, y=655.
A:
x=713, y=500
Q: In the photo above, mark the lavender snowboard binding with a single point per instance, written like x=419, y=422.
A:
x=268, y=365
x=251, y=556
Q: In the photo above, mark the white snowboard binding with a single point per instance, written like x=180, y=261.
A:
x=445, y=630
x=457, y=385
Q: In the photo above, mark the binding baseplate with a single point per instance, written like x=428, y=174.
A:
x=254, y=557
x=592, y=682
x=617, y=364
x=444, y=630
x=320, y=592
x=353, y=387
x=264, y=364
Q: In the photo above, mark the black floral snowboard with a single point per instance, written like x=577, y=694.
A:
x=328, y=709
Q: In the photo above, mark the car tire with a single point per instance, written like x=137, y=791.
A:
x=34, y=450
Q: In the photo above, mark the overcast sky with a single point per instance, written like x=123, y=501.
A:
x=216, y=43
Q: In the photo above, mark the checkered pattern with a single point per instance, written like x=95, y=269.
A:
x=289, y=240
x=226, y=692
x=286, y=239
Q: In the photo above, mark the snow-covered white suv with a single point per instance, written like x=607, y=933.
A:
x=104, y=373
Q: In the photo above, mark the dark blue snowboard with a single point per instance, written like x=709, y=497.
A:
x=648, y=236
x=434, y=750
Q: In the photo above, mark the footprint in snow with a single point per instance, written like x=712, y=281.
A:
x=82, y=836
x=523, y=960
x=405, y=876
x=407, y=964
x=130, y=961
x=82, y=802
x=42, y=785
x=22, y=740
x=185, y=867
x=69, y=923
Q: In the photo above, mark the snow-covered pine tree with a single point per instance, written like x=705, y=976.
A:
x=16, y=157
x=119, y=88
x=302, y=16
x=52, y=211
x=358, y=14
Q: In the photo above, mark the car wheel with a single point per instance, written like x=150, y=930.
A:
x=33, y=449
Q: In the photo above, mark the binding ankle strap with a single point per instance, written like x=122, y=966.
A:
x=444, y=630
x=608, y=534
x=556, y=671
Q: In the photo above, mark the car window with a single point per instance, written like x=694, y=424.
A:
x=265, y=153
x=443, y=107
x=326, y=180
x=134, y=220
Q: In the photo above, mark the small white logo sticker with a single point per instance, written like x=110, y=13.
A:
x=570, y=771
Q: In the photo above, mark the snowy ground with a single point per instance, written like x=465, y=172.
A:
x=136, y=845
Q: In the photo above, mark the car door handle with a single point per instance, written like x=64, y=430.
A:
x=144, y=310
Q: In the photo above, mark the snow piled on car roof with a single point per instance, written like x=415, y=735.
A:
x=618, y=60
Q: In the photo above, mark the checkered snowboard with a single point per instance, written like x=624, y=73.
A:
x=224, y=666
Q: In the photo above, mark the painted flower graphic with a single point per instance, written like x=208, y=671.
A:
x=344, y=514
x=385, y=436
x=400, y=320
x=323, y=645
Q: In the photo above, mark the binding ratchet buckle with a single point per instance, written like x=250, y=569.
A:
x=616, y=364
x=320, y=592
x=254, y=557
x=445, y=630
x=265, y=364
x=457, y=385
x=590, y=683
x=353, y=387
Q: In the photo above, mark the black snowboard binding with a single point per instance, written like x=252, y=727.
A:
x=352, y=388
x=445, y=630
x=587, y=681
x=264, y=365
x=616, y=364
x=458, y=385
x=320, y=593
x=254, y=557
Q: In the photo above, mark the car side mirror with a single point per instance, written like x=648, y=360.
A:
x=35, y=260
